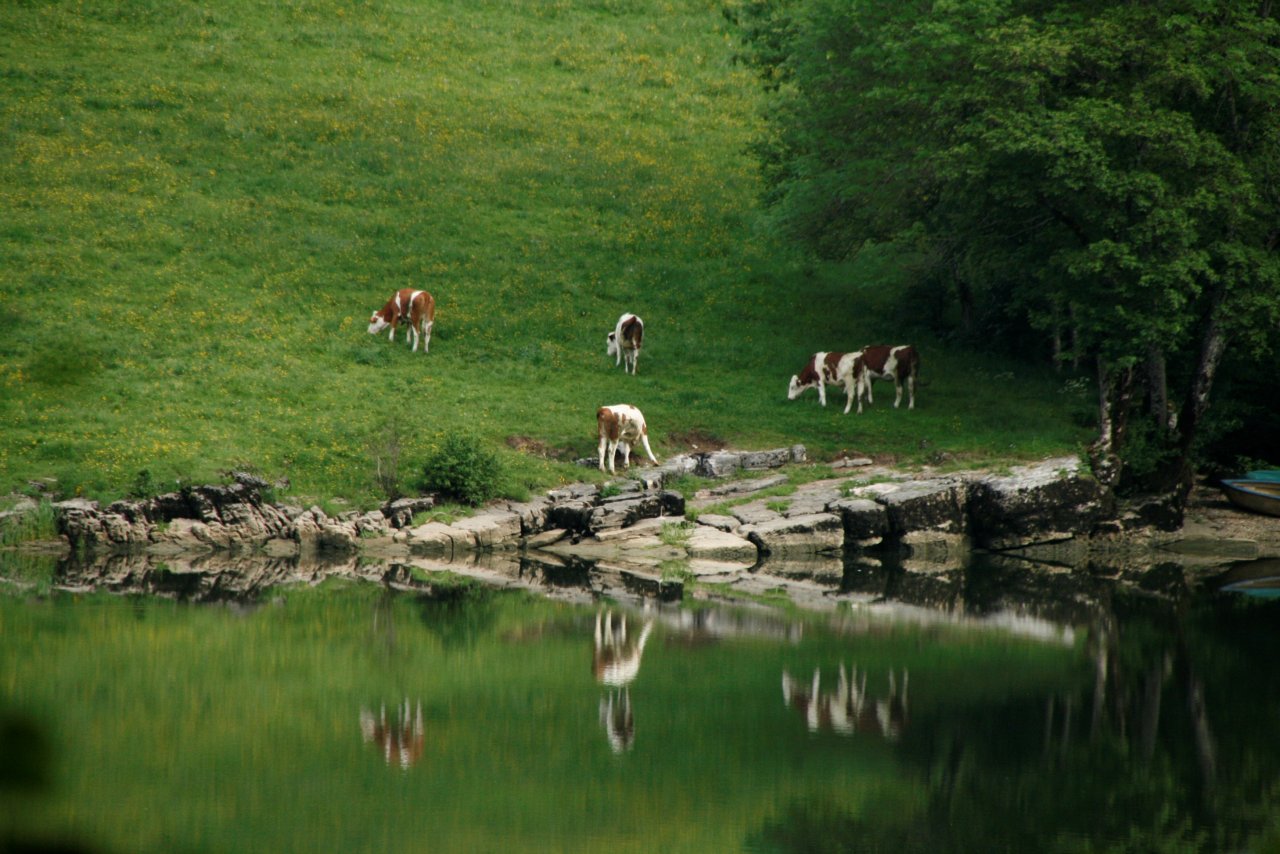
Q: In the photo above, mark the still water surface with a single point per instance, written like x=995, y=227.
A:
x=984, y=709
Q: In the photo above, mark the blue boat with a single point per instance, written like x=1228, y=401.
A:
x=1272, y=475
x=1259, y=496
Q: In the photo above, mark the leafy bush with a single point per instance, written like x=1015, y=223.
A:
x=462, y=468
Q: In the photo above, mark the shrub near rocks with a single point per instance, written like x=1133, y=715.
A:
x=463, y=469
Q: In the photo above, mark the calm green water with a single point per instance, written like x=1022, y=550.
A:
x=995, y=710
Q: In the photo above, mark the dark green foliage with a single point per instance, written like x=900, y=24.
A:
x=461, y=467
x=1094, y=182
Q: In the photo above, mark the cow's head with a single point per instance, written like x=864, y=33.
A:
x=798, y=385
x=611, y=344
x=377, y=323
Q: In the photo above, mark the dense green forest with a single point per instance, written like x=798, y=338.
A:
x=1093, y=182
x=200, y=207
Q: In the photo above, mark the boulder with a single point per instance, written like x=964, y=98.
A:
x=866, y=522
x=489, y=530
x=400, y=512
x=927, y=505
x=1043, y=503
x=532, y=514
x=621, y=513
x=718, y=464
x=431, y=539
x=756, y=460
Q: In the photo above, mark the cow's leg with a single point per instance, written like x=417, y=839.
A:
x=392, y=335
x=911, y=391
x=897, y=392
x=604, y=445
x=644, y=440
x=426, y=342
x=625, y=447
x=413, y=330
x=822, y=391
x=850, y=390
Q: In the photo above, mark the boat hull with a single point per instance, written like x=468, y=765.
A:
x=1258, y=496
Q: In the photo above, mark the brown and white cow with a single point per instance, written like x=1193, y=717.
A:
x=625, y=341
x=619, y=427
x=416, y=308
x=882, y=362
x=824, y=368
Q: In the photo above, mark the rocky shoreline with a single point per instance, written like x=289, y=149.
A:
x=1050, y=512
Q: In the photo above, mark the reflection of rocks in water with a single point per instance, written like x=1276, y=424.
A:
x=848, y=708
x=401, y=738
x=1029, y=599
x=550, y=571
x=616, y=664
x=205, y=578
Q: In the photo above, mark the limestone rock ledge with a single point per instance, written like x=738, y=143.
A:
x=1027, y=507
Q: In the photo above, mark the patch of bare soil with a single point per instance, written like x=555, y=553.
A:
x=1211, y=516
x=695, y=440
x=533, y=447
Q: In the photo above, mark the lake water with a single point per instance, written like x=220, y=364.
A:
x=991, y=708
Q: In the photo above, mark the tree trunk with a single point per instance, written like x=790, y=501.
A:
x=1158, y=388
x=1114, y=390
x=1212, y=346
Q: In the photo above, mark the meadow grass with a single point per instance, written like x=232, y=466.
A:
x=200, y=207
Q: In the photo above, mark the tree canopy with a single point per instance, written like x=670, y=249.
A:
x=1100, y=173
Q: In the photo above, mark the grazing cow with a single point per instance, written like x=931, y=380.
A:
x=881, y=362
x=625, y=340
x=824, y=368
x=619, y=427
x=416, y=308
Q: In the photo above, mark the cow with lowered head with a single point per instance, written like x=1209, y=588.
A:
x=823, y=369
x=625, y=340
x=619, y=427
x=415, y=308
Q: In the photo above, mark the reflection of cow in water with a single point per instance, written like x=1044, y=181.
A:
x=848, y=709
x=402, y=740
x=616, y=664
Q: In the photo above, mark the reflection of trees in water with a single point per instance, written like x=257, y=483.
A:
x=1166, y=741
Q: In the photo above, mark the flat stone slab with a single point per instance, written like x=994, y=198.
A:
x=754, y=513
x=744, y=487
x=712, y=544
x=723, y=523
x=816, y=532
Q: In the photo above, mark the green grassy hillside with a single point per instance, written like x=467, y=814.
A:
x=200, y=205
